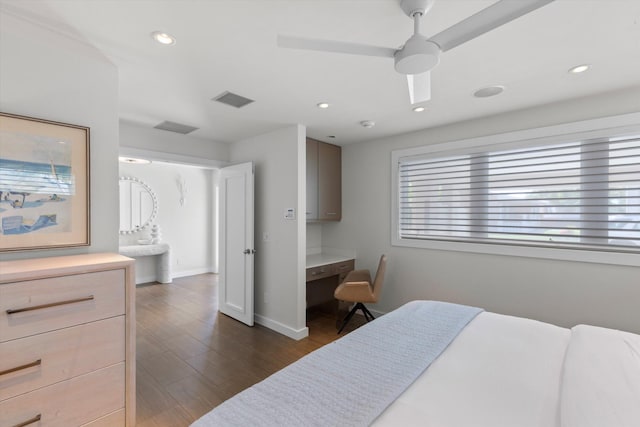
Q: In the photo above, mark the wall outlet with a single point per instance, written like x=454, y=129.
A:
x=266, y=237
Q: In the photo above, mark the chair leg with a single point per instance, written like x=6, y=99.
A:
x=359, y=306
x=367, y=313
x=348, y=317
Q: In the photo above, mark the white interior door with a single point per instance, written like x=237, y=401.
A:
x=235, y=290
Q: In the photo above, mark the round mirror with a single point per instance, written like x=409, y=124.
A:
x=138, y=205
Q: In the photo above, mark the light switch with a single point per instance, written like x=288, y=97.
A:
x=290, y=213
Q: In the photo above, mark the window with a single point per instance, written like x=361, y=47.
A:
x=572, y=193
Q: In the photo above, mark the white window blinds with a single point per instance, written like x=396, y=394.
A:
x=581, y=194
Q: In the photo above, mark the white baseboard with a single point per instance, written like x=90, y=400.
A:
x=175, y=275
x=194, y=272
x=145, y=279
x=296, y=334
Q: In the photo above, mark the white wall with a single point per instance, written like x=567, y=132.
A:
x=314, y=238
x=279, y=159
x=46, y=75
x=179, y=152
x=560, y=292
x=187, y=228
x=163, y=145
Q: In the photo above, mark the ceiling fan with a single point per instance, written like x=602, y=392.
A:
x=419, y=54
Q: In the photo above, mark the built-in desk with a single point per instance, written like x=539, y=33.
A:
x=163, y=266
x=324, y=273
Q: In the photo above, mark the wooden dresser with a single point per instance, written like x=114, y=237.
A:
x=67, y=341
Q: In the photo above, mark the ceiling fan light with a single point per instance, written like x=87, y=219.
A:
x=418, y=56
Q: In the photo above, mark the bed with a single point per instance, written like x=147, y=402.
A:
x=446, y=365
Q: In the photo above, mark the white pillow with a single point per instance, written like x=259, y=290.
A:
x=601, y=379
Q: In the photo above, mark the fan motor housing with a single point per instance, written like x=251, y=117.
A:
x=411, y=7
x=418, y=56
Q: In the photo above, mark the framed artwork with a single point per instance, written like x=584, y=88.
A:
x=44, y=184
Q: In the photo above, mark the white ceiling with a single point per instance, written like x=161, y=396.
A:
x=231, y=45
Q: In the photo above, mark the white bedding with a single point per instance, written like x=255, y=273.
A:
x=601, y=379
x=500, y=371
x=504, y=371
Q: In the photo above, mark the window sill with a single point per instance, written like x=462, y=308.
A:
x=575, y=255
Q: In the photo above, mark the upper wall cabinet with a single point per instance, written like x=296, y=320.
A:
x=324, y=181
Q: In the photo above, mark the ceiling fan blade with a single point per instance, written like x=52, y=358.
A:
x=419, y=87
x=333, y=46
x=486, y=20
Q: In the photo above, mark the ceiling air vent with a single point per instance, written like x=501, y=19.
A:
x=232, y=99
x=175, y=127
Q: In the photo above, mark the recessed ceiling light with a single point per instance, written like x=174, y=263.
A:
x=134, y=160
x=367, y=124
x=163, y=38
x=323, y=105
x=579, y=69
x=418, y=109
x=488, y=91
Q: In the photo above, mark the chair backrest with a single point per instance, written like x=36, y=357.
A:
x=377, y=282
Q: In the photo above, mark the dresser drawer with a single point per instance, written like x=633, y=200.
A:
x=112, y=420
x=35, y=306
x=69, y=403
x=30, y=363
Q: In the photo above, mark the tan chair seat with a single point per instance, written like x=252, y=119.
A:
x=357, y=287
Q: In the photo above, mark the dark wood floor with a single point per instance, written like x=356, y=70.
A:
x=190, y=358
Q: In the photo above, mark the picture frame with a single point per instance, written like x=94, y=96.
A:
x=44, y=184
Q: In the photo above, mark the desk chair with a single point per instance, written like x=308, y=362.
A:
x=358, y=288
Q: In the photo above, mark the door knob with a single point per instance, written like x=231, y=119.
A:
x=249, y=251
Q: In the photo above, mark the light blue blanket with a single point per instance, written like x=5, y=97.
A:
x=351, y=381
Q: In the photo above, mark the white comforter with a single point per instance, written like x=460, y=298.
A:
x=501, y=371
x=504, y=371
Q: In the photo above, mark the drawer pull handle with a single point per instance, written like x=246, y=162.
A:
x=21, y=367
x=52, y=304
x=29, y=421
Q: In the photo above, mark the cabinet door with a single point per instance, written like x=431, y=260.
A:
x=312, y=180
x=329, y=182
